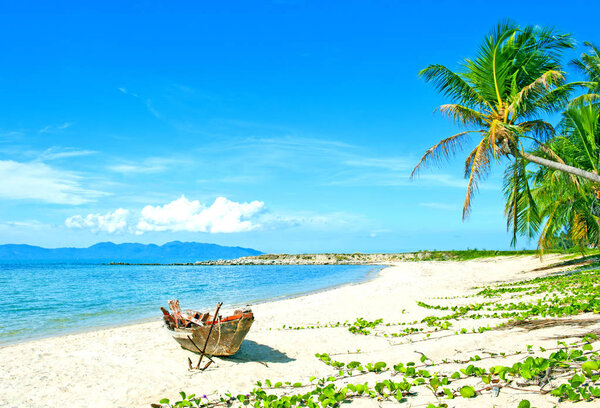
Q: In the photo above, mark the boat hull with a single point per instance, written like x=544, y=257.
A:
x=225, y=340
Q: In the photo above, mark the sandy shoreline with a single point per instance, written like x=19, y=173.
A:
x=138, y=364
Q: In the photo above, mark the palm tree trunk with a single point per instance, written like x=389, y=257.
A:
x=565, y=168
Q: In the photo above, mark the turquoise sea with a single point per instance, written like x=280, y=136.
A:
x=48, y=299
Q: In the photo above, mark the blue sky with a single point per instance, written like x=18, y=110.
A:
x=286, y=126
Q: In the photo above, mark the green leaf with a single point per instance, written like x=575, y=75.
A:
x=380, y=366
x=589, y=366
x=467, y=391
x=577, y=380
x=524, y=404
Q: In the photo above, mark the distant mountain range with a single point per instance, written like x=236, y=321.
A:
x=175, y=251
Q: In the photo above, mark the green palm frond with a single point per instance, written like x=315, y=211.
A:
x=452, y=85
x=589, y=65
x=521, y=210
x=541, y=130
x=463, y=116
x=479, y=166
x=442, y=150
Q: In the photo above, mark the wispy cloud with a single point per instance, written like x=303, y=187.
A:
x=11, y=136
x=453, y=181
x=260, y=159
x=441, y=206
x=390, y=172
x=345, y=164
x=442, y=179
x=55, y=128
x=29, y=224
x=254, y=160
x=311, y=220
x=393, y=164
x=41, y=182
x=147, y=102
x=148, y=165
x=132, y=168
x=126, y=92
x=56, y=153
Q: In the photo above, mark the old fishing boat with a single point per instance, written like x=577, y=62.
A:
x=204, y=333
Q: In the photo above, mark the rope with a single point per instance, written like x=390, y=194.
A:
x=219, y=329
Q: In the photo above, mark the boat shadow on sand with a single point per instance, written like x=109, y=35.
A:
x=251, y=351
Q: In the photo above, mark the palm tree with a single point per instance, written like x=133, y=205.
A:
x=559, y=203
x=500, y=96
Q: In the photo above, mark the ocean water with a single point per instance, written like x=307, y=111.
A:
x=48, y=299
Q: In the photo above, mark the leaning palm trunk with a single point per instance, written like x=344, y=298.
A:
x=565, y=168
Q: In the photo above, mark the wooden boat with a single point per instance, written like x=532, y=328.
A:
x=191, y=329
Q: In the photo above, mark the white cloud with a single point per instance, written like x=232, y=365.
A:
x=222, y=216
x=185, y=215
x=38, y=181
x=111, y=222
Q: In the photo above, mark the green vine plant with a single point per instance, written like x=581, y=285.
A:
x=578, y=363
x=566, y=372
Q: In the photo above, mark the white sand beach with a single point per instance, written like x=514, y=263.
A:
x=135, y=365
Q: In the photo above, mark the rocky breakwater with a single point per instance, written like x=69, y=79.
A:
x=311, y=259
